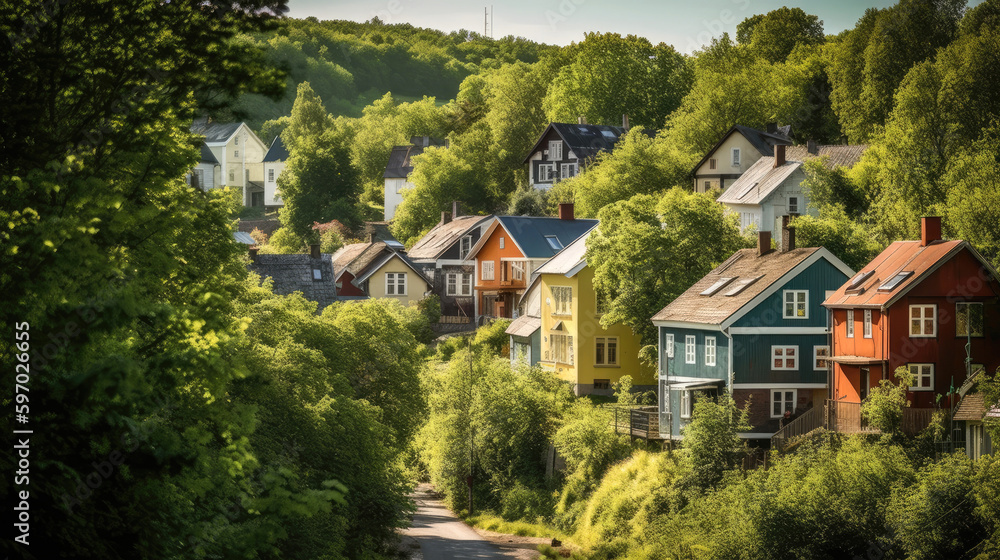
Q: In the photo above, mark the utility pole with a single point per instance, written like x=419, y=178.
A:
x=472, y=432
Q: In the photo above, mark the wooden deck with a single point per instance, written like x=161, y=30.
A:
x=845, y=418
x=641, y=422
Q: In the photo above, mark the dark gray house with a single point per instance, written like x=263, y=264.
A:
x=311, y=275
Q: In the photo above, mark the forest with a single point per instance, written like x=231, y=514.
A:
x=180, y=409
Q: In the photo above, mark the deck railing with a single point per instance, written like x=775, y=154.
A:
x=809, y=420
x=636, y=421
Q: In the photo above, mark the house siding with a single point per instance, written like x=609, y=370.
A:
x=752, y=359
x=818, y=279
x=724, y=170
x=491, y=252
x=415, y=286
x=676, y=366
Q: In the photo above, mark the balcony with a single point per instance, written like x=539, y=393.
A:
x=845, y=417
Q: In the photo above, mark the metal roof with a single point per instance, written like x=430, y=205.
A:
x=529, y=232
x=570, y=260
x=440, y=238
x=215, y=132
x=277, y=151
x=758, y=182
x=524, y=326
x=244, y=238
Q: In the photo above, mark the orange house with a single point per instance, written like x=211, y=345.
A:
x=918, y=304
x=511, y=249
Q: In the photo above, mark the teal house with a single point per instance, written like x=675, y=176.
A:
x=755, y=327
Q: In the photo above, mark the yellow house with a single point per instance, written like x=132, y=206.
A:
x=378, y=269
x=574, y=344
x=739, y=148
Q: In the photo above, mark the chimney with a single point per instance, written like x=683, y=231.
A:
x=763, y=243
x=779, y=155
x=787, y=235
x=445, y=217
x=456, y=209
x=566, y=211
x=314, y=250
x=812, y=148
x=372, y=237
x=625, y=122
x=581, y=120
x=930, y=230
x=772, y=128
x=253, y=255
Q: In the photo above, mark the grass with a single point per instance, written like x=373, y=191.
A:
x=489, y=522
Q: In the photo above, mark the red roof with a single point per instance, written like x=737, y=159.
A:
x=900, y=258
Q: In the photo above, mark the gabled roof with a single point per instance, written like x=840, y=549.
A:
x=400, y=161
x=900, y=257
x=570, y=260
x=294, y=273
x=764, y=142
x=215, y=132
x=443, y=236
x=206, y=155
x=530, y=233
x=524, y=326
x=383, y=258
x=277, y=151
x=356, y=257
x=752, y=279
x=758, y=182
x=585, y=140
x=838, y=155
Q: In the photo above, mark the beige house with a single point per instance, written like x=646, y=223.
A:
x=378, y=269
x=240, y=157
x=739, y=148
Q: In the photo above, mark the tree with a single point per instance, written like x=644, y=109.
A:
x=773, y=36
x=712, y=439
x=833, y=229
x=883, y=409
x=640, y=241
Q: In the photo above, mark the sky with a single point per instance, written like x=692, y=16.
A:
x=685, y=24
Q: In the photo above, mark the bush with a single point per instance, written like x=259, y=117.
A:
x=883, y=409
x=493, y=337
x=330, y=241
x=259, y=236
x=283, y=242
x=522, y=503
x=586, y=442
x=711, y=439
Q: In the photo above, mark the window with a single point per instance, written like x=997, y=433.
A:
x=518, y=268
x=555, y=150
x=736, y=157
x=796, y=304
x=742, y=285
x=923, y=320
x=821, y=357
x=465, y=247
x=399, y=185
x=602, y=384
x=668, y=345
x=923, y=377
x=785, y=358
x=968, y=319
x=867, y=328
x=554, y=242
x=562, y=300
x=317, y=274
x=567, y=170
x=849, y=323
x=718, y=285
x=685, y=404
x=562, y=348
x=501, y=242
x=236, y=153
x=199, y=179
x=607, y=351
x=793, y=205
x=459, y=284
x=395, y=283
x=270, y=175
x=860, y=278
x=546, y=172
x=236, y=141
x=712, y=164
x=689, y=350
x=891, y=284
x=486, y=270
x=782, y=400
x=709, y=350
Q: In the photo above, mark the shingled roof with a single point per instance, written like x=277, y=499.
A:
x=747, y=275
x=206, y=155
x=294, y=273
x=763, y=141
x=214, y=132
x=837, y=155
x=356, y=257
x=277, y=151
x=585, y=140
x=443, y=236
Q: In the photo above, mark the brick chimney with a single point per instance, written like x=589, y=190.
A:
x=581, y=120
x=812, y=148
x=930, y=230
x=314, y=250
x=779, y=155
x=763, y=243
x=787, y=235
x=253, y=255
x=625, y=122
x=456, y=209
x=372, y=237
x=566, y=211
x=445, y=218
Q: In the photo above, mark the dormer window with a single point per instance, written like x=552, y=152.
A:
x=466, y=246
x=555, y=150
x=554, y=242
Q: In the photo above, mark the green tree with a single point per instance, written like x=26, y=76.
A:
x=774, y=35
x=883, y=409
x=712, y=440
x=848, y=240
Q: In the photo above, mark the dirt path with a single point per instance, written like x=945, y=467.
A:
x=442, y=536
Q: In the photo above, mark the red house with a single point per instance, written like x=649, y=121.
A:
x=918, y=304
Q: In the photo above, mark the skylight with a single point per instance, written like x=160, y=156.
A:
x=741, y=285
x=718, y=285
x=554, y=242
x=609, y=134
x=896, y=280
x=860, y=278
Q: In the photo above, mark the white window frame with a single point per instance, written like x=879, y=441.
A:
x=451, y=284
x=780, y=352
x=783, y=394
x=464, y=246
x=604, y=343
x=487, y=270
x=690, y=349
x=668, y=344
x=817, y=357
x=686, y=403
x=502, y=243
x=867, y=326
x=562, y=300
x=546, y=172
x=710, y=350
x=849, y=323
x=567, y=170
x=270, y=175
x=555, y=150
x=736, y=157
x=795, y=304
x=968, y=315
x=517, y=269
x=917, y=371
x=466, y=284
x=923, y=307
x=561, y=346
x=793, y=205
x=393, y=282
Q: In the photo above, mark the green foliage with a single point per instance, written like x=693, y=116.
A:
x=773, y=36
x=883, y=409
x=528, y=201
x=587, y=444
x=283, y=242
x=330, y=241
x=832, y=187
x=712, y=441
x=848, y=240
x=493, y=338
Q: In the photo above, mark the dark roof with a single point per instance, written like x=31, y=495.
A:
x=213, y=131
x=400, y=164
x=443, y=236
x=764, y=142
x=381, y=231
x=585, y=140
x=277, y=151
x=294, y=273
x=529, y=233
x=745, y=264
x=206, y=154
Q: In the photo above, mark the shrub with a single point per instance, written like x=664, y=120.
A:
x=283, y=242
x=259, y=236
x=522, y=503
x=330, y=241
x=493, y=337
x=883, y=409
x=711, y=439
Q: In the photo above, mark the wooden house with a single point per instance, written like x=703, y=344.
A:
x=378, y=269
x=510, y=249
x=274, y=164
x=240, y=157
x=565, y=149
x=753, y=326
x=738, y=149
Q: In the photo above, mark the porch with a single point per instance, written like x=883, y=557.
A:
x=845, y=417
x=642, y=422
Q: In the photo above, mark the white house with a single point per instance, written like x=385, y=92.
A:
x=204, y=175
x=564, y=149
x=274, y=164
x=397, y=171
x=240, y=155
x=733, y=155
